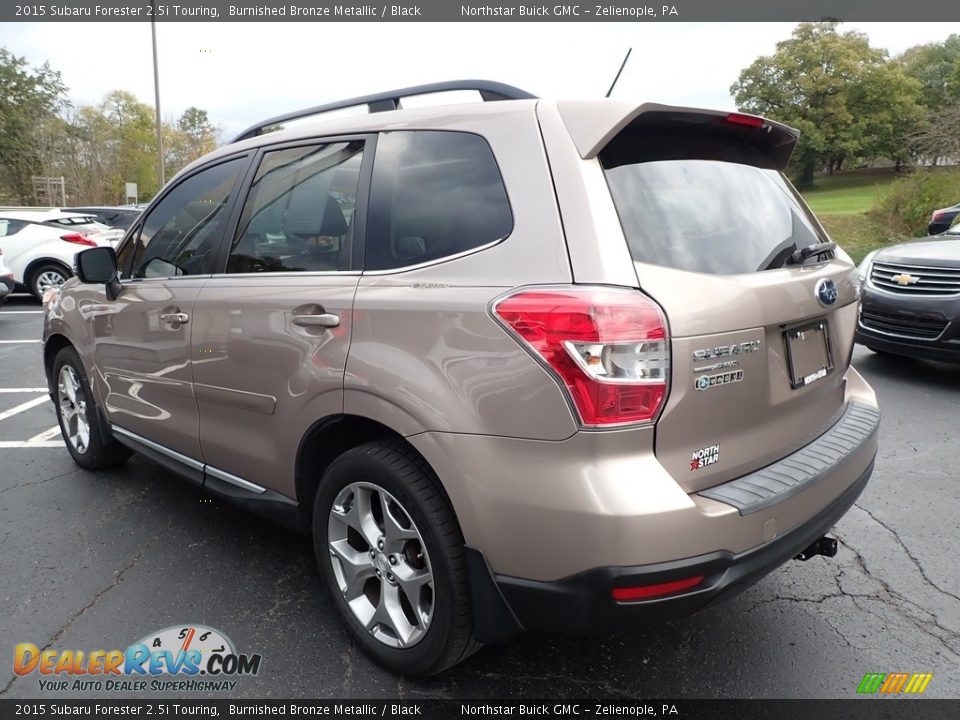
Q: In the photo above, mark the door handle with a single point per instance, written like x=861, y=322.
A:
x=326, y=320
x=175, y=318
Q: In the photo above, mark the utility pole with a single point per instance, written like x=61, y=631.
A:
x=156, y=93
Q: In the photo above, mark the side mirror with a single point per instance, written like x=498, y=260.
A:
x=98, y=266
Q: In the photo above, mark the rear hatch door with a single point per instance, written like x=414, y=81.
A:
x=761, y=339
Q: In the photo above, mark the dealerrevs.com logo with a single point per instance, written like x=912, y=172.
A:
x=180, y=658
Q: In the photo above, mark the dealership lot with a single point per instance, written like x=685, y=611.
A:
x=99, y=561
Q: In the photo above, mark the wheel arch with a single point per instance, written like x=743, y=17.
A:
x=329, y=438
x=39, y=262
x=51, y=348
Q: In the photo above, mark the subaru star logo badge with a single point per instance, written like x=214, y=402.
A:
x=826, y=292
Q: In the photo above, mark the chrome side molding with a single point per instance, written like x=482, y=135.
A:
x=188, y=461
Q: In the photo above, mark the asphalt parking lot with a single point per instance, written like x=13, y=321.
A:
x=98, y=561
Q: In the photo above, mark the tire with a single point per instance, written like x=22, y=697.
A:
x=90, y=449
x=435, y=630
x=46, y=276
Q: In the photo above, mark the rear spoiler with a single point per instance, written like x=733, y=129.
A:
x=594, y=123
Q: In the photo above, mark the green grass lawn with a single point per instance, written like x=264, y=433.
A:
x=848, y=193
x=841, y=202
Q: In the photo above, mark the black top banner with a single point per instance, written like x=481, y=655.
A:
x=474, y=11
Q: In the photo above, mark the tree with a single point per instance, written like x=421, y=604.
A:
x=844, y=96
x=192, y=137
x=29, y=98
x=936, y=66
x=939, y=136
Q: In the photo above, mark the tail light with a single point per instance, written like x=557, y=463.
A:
x=78, y=239
x=748, y=120
x=608, y=347
x=937, y=214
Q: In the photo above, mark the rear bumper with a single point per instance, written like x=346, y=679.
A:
x=6, y=287
x=583, y=603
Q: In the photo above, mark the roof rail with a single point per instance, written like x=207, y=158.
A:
x=390, y=100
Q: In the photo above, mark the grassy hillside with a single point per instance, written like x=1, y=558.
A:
x=866, y=209
x=850, y=192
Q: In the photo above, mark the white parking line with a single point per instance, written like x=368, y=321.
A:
x=22, y=390
x=21, y=312
x=10, y=444
x=24, y=406
x=45, y=435
x=14, y=342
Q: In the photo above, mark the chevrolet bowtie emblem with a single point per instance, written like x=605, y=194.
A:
x=905, y=279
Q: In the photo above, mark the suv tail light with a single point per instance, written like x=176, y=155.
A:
x=78, y=239
x=608, y=347
x=748, y=120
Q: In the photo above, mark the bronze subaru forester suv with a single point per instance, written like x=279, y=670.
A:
x=517, y=365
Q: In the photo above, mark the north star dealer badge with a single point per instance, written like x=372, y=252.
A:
x=705, y=382
x=705, y=456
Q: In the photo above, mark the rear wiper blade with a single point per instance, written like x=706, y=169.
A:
x=803, y=253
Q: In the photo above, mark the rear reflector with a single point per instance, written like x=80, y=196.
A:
x=748, y=120
x=645, y=592
x=78, y=239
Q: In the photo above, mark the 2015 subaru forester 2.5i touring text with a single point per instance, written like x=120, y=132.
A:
x=515, y=364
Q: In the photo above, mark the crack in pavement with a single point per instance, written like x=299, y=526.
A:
x=901, y=604
x=913, y=558
x=40, y=482
x=118, y=577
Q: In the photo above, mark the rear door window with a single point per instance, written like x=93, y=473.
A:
x=299, y=213
x=703, y=206
x=434, y=194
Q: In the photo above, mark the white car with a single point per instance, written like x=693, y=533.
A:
x=39, y=245
x=6, y=280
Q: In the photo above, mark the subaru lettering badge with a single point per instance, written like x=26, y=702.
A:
x=826, y=292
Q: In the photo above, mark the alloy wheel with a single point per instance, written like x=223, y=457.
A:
x=381, y=564
x=73, y=409
x=50, y=280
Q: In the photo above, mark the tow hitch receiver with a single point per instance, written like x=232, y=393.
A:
x=826, y=546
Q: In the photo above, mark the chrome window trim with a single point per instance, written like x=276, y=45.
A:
x=437, y=261
x=288, y=274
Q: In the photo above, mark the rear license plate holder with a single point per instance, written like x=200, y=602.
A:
x=809, y=355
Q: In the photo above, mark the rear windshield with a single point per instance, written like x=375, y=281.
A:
x=74, y=220
x=704, y=207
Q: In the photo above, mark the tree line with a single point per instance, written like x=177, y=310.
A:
x=96, y=148
x=853, y=103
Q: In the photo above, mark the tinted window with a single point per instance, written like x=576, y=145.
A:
x=11, y=227
x=434, y=194
x=704, y=206
x=299, y=213
x=182, y=234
